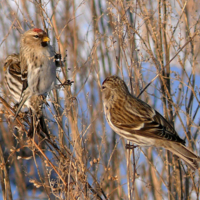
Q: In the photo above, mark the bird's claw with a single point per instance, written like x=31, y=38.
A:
x=129, y=146
x=68, y=82
x=58, y=61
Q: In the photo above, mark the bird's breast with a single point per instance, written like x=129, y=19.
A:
x=41, y=74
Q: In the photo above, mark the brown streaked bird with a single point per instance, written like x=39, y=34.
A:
x=38, y=69
x=14, y=83
x=138, y=122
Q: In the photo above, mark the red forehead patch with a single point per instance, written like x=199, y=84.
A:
x=37, y=30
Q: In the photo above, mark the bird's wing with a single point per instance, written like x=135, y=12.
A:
x=24, y=73
x=140, y=119
x=12, y=64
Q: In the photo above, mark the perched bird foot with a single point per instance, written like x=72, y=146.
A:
x=58, y=61
x=129, y=146
x=68, y=82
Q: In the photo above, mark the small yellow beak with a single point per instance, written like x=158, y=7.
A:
x=45, y=39
x=4, y=68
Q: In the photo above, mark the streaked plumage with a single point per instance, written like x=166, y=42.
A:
x=14, y=83
x=136, y=121
x=12, y=76
x=38, y=68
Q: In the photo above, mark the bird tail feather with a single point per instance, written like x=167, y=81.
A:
x=24, y=99
x=43, y=126
x=184, y=153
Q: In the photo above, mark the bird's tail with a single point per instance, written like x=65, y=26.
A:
x=43, y=126
x=25, y=96
x=184, y=153
x=39, y=127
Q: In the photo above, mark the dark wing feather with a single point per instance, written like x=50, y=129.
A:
x=14, y=69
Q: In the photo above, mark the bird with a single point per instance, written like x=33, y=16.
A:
x=14, y=83
x=38, y=69
x=136, y=121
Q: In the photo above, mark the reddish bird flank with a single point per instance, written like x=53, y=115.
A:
x=37, y=30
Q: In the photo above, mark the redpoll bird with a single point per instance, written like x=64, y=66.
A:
x=136, y=121
x=38, y=68
x=13, y=82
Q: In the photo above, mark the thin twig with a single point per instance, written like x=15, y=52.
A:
x=196, y=33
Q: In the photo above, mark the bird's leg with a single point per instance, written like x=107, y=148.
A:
x=129, y=146
x=68, y=82
x=58, y=60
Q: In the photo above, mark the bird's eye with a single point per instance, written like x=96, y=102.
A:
x=36, y=36
x=103, y=87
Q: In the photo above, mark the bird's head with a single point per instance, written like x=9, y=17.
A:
x=114, y=87
x=35, y=38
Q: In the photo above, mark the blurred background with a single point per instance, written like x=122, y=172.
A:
x=136, y=40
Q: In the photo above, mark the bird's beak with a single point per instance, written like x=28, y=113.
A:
x=4, y=68
x=45, y=39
